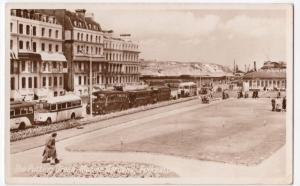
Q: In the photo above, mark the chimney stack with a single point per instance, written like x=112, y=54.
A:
x=234, y=66
x=255, y=66
x=80, y=13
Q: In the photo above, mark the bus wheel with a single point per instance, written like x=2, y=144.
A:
x=22, y=126
x=73, y=116
x=48, y=122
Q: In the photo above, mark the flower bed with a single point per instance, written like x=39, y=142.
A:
x=99, y=169
x=46, y=129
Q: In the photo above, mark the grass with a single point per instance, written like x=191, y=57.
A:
x=237, y=131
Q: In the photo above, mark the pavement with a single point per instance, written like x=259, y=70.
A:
x=28, y=152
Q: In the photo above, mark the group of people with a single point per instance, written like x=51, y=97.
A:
x=278, y=104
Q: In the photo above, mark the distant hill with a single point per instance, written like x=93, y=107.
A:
x=175, y=68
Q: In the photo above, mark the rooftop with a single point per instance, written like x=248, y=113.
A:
x=265, y=75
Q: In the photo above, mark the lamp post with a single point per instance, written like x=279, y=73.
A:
x=91, y=85
x=91, y=81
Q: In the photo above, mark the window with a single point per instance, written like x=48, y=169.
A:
x=43, y=32
x=12, y=83
x=56, y=48
x=12, y=112
x=27, y=45
x=69, y=104
x=30, y=110
x=91, y=38
x=50, y=32
x=60, y=81
x=78, y=48
x=87, y=37
x=23, y=82
x=27, y=29
x=87, y=49
x=79, y=80
x=84, y=80
x=34, y=30
x=53, y=106
x=21, y=44
x=30, y=82
x=20, y=28
x=78, y=36
x=76, y=103
x=43, y=46
x=50, y=47
x=55, y=81
x=44, y=81
x=11, y=44
x=56, y=34
x=64, y=105
x=81, y=36
x=50, y=81
x=23, y=110
x=23, y=64
x=11, y=27
x=17, y=111
x=54, y=64
x=35, y=82
x=34, y=46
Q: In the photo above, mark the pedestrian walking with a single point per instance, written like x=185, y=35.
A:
x=278, y=94
x=273, y=104
x=50, y=150
x=284, y=104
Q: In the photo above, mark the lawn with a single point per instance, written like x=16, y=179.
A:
x=243, y=131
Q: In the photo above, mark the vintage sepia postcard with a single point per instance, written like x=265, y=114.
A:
x=140, y=93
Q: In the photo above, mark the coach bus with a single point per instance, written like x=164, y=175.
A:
x=187, y=89
x=59, y=108
x=21, y=115
x=108, y=101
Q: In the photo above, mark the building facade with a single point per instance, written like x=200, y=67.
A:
x=266, y=80
x=83, y=44
x=37, y=62
x=122, y=55
x=271, y=76
x=52, y=50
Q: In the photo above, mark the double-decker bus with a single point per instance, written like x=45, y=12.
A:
x=108, y=101
x=21, y=114
x=59, y=108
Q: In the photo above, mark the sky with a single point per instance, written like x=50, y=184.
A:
x=201, y=35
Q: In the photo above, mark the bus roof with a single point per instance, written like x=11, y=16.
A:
x=187, y=83
x=108, y=92
x=65, y=98
x=15, y=104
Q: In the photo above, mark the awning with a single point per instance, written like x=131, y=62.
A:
x=46, y=56
x=29, y=56
x=13, y=55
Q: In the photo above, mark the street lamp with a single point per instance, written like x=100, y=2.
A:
x=91, y=80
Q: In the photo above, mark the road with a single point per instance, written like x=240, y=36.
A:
x=146, y=136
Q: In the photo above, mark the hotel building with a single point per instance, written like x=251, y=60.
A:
x=37, y=64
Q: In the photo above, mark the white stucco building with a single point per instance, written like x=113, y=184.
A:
x=36, y=58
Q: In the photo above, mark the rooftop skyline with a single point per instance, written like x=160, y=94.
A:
x=200, y=34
